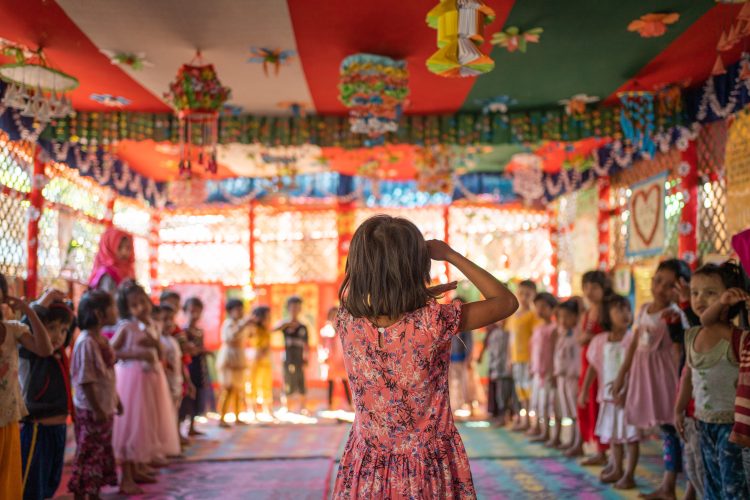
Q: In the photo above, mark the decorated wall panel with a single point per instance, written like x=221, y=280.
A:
x=294, y=246
x=15, y=183
x=738, y=174
x=510, y=244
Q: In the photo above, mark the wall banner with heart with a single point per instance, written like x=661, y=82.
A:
x=646, y=223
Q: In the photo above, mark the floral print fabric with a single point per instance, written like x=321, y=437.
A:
x=403, y=443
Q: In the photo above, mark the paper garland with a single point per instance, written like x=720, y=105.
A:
x=460, y=33
x=637, y=120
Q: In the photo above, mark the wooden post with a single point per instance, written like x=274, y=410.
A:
x=345, y=228
x=446, y=230
x=603, y=191
x=687, y=241
x=36, y=202
x=153, y=251
x=251, y=252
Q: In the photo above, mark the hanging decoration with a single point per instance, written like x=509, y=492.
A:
x=270, y=58
x=460, y=33
x=646, y=233
x=653, y=25
x=497, y=104
x=435, y=169
x=35, y=89
x=527, y=177
x=513, y=39
x=197, y=95
x=637, y=120
x=135, y=62
x=576, y=105
x=669, y=98
x=374, y=88
x=718, y=67
x=110, y=100
x=298, y=109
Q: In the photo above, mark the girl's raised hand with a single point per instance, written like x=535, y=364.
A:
x=734, y=296
x=51, y=295
x=682, y=288
x=18, y=305
x=439, y=250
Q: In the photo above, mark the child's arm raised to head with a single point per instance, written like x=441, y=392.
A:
x=38, y=343
x=499, y=302
x=717, y=312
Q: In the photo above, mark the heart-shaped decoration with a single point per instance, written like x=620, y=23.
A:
x=646, y=212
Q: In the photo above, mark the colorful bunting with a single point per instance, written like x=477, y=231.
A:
x=637, y=120
x=110, y=100
x=576, y=105
x=460, y=33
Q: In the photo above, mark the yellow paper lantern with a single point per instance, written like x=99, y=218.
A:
x=460, y=33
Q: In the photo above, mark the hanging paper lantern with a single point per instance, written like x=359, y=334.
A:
x=460, y=33
x=198, y=96
x=374, y=88
x=637, y=120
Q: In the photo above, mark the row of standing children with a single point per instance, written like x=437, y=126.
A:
x=633, y=372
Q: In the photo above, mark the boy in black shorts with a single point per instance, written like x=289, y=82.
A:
x=296, y=353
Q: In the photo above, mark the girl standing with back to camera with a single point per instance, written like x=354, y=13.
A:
x=396, y=340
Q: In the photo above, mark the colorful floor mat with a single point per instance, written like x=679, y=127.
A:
x=268, y=442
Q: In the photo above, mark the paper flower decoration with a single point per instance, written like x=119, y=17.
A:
x=270, y=57
x=434, y=172
x=374, y=88
x=458, y=52
x=110, y=100
x=134, y=61
x=297, y=108
x=513, y=39
x=197, y=88
x=576, y=105
x=497, y=104
x=653, y=25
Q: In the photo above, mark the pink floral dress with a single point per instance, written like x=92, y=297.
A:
x=403, y=443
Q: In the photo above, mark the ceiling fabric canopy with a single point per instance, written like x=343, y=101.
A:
x=282, y=60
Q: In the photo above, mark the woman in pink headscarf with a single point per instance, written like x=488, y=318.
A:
x=114, y=262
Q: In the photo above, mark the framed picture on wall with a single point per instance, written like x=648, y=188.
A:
x=646, y=224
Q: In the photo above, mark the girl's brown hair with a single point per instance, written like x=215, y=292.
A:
x=387, y=270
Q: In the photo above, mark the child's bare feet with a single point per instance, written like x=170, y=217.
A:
x=130, y=488
x=610, y=476
x=564, y=446
x=223, y=424
x=660, y=494
x=576, y=451
x=194, y=432
x=140, y=478
x=625, y=483
x=539, y=438
x=553, y=443
x=598, y=459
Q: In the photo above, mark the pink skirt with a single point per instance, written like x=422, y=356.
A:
x=567, y=395
x=652, y=389
x=147, y=429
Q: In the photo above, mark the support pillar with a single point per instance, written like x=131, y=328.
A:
x=447, y=230
x=36, y=202
x=251, y=250
x=554, y=239
x=603, y=189
x=153, y=252
x=687, y=242
x=345, y=228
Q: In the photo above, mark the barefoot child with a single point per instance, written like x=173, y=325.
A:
x=172, y=354
x=521, y=326
x=650, y=371
x=334, y=358
x=46, y=391
x=712, y=379
x=12, y=407
x=296, y=354
x=92, y=374
x=261, y=377
x=231, y=362
x=606, y=353
x=567, y=365
x=542, y=357
x=194, y=402
x=501, y=399
x=396, y=339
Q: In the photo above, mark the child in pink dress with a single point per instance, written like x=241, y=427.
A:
x=606, y=353
x=397, y=340
x=650, y=370
x=542, y=358
x=567, y=365
x=145, y=434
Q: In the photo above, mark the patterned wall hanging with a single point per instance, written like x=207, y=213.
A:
x=460, y=33
x=646, y=234
x=637, y=120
